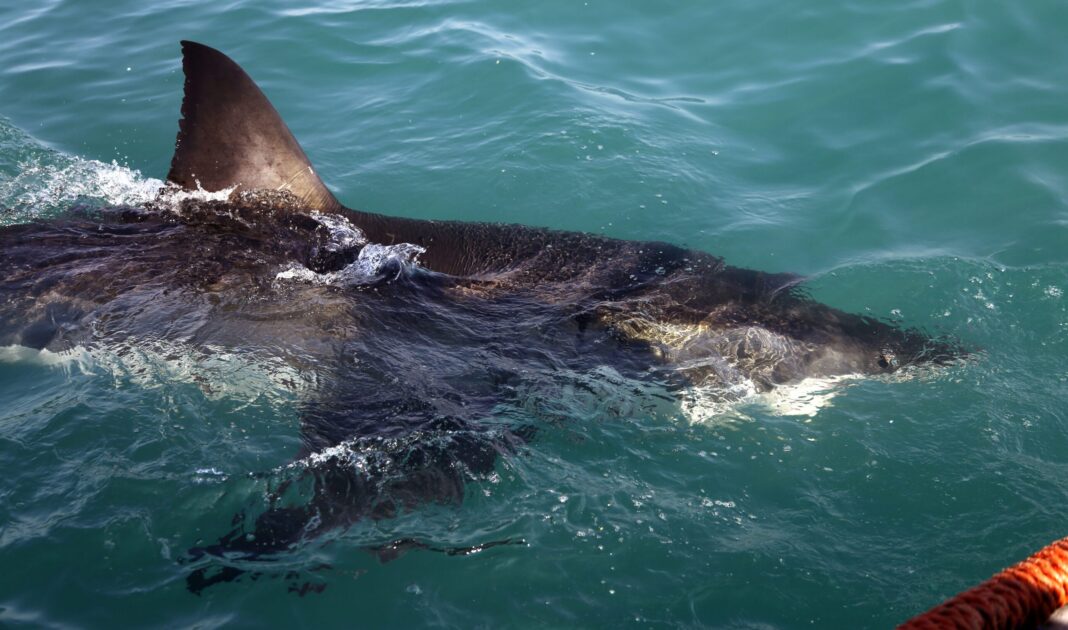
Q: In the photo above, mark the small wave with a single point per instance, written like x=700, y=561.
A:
x=342, y=7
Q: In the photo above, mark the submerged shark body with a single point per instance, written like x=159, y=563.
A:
x=414, y=332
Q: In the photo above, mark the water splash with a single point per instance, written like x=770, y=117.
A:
x=343, y=234
x=374, y=263
x=218, y=372
x=46, y=185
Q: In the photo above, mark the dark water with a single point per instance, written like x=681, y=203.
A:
x=909, y=160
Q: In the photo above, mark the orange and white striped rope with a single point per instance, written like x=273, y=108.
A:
x=1022, y=596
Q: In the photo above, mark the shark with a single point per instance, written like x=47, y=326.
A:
x=412, y=332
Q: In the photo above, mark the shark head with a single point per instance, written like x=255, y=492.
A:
x=843, y=343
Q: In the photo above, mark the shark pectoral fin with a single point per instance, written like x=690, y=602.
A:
x=231, y=136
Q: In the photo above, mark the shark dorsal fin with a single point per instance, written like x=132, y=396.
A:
x=231, y=135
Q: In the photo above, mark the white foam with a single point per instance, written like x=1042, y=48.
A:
x=343, y=234
x=299, y=273
x=170, y=196
x=367, y=268
x=41, y=186
x=217, y=371
x=374, y=257
x=45, y=357
x=805, y=398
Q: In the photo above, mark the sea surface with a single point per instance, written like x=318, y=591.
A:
x=910, y=159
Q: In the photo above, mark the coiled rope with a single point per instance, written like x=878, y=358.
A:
x=1022, y=596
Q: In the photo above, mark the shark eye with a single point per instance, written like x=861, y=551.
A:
x=886, y=360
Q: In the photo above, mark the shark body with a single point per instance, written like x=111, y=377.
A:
x=415, y=331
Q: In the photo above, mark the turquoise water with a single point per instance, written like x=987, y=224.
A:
x=910, y=160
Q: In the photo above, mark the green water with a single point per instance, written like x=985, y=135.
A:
x=909, y=158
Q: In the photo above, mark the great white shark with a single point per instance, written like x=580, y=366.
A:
x=414, y=331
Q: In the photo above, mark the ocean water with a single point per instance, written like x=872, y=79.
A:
x=910, y=160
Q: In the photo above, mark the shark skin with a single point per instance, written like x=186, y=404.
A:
x=415, y=332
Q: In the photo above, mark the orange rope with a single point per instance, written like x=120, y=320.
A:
x=1022, y=596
